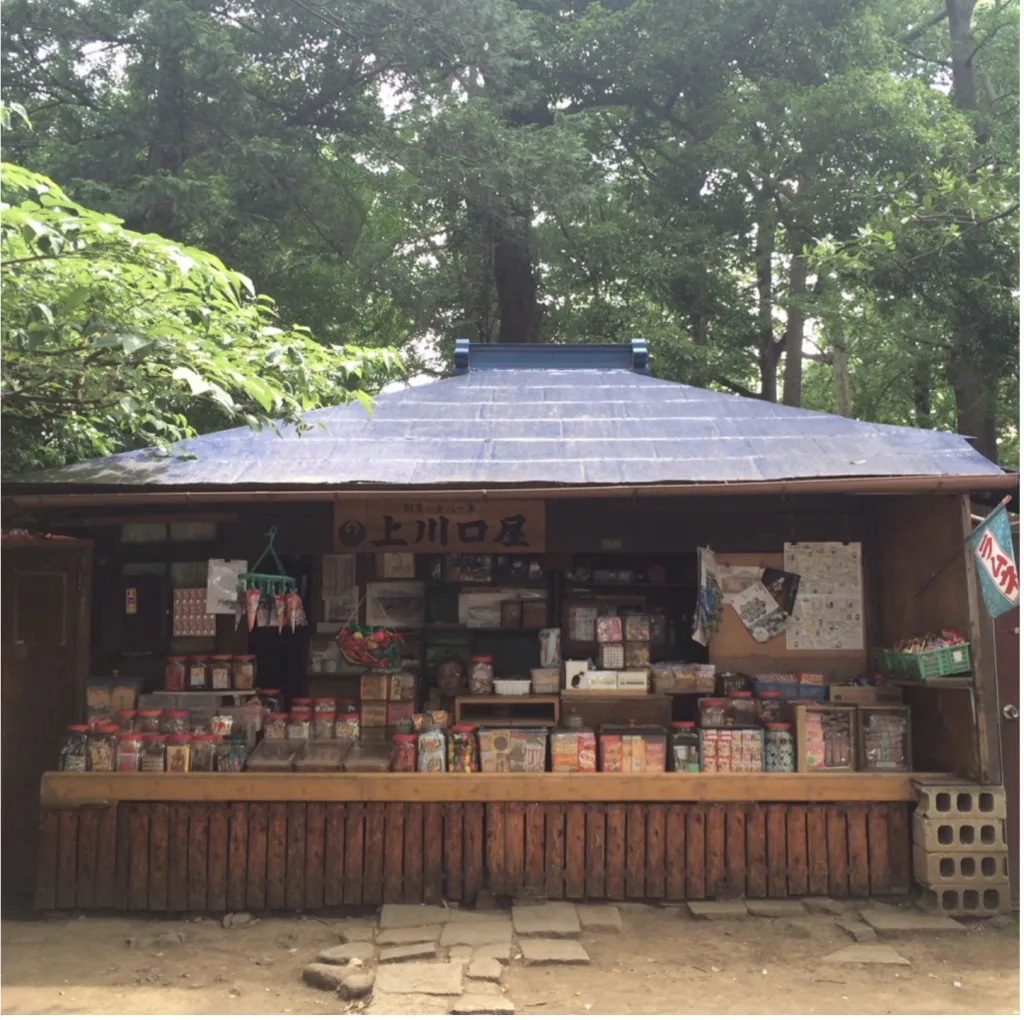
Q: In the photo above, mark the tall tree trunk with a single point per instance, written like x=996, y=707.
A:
x=519, y=311
x=974, y=387
x=769, y=350
x=923, y=393
x=793, y=338
x=167, y=141
x=836, y=333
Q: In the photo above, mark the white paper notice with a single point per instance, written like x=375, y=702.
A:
x=222, y=585
x=829, y=611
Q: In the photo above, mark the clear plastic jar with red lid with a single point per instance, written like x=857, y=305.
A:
x=74, y=755
x=129, y=752
x=126, y=720
x=176, y=721
x=243, y=672
x=220, y=673
x=103, y=748
x=204, y=752
x=154, y=753
x=463, y=755
x=481, y=674
x=403, y=752
x=685, y=747
x=275, y=726
x=198, y=673
x=178, y=752
x=175, y=669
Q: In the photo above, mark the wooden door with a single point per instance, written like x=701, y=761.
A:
x=1007, y=639
x=45, y=640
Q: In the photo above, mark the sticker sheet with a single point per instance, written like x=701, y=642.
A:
x=828, y=613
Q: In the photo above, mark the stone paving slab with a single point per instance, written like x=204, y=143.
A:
x=461, y=953
x=419, y=951
x=500, y=951
x=776, y=908
x=484, y=969
x=389, y=1004
x=718, y=910
x=879, y=953
x=324, y=975
x=858, y=931
x=553, y=920
x=354, y=931
x=476, y=933
x=347, y=951
x=825, y=905
x=409, y=936
x=599, y=917
x=890, y=921
x=420, y=979
x=477, y=1005
x=551, y=951
x=402, y=915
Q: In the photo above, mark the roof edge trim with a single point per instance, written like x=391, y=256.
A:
x=476, y=356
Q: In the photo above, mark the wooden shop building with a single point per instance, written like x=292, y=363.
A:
x=568, y=471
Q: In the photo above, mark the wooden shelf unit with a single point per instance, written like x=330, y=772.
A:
x=514, y=703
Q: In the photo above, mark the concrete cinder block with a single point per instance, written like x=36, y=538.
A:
x=980, y=899
x=946, y=867
x=959, y=835
x=959, y=800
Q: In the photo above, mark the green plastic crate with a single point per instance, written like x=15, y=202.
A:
x=885, y=660
x=950, y=661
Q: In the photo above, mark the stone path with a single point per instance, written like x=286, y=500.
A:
x=430, y=959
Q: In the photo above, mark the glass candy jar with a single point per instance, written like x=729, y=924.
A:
x=779, y=752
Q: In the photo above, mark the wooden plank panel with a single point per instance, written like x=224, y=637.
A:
x=494, y=834
x=655, y=878
x=217, y=859
x=857, y=849
x=46, y=861
x=696, y=887
x=515, y=847
x=899, y=848
x=295, y=858
x=85, y=879
x=735, y=853
x=355, y=825
x=198, y=831
x=315, y=835
x=838, y=867
x=878, y=849
x=238, y=847
x=473, y=851
x=334, y=855
x=70, y=789
x=796, y=848
x=277, y=855
x=775, y=838
x=373, y=855
x=533, y=876
x=394, y=838
x=575, y=852
x=177, y=857
x=159, y=852
x=433, y=835
x=412, y=879
x=138, y=874
x=554, y=850
x=817, y=851
x=123, y=861
x=615, y=853
x=595, y=852
x=106, y=857
x=453, y=840
x=714, y=851
x=256, y=863
x=67, y=858
x=675, y=852
x=757, y=852
x=636, y=851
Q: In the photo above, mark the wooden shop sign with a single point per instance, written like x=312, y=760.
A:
x=439, y=525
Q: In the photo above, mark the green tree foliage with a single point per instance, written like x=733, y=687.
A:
x=742, y=182
x=114, y=339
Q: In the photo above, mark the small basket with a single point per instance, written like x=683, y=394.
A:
x=546, y=680
x=512, y=688
x=933, y=662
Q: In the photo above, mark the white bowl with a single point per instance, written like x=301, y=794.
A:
x=512, y=688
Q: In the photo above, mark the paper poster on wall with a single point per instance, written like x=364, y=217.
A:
x=395, y=604
x=222, y=585
x=828, y=612
x=760, y=613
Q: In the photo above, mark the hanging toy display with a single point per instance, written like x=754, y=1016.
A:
x=370, y=647
x=278, y=590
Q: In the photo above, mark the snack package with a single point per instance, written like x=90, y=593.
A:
x=279, y=612
x=252, y=606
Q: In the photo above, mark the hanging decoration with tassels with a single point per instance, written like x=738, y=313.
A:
x=281, y=590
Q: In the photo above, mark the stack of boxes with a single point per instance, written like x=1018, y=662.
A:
x=960, y=857
x=385, y=699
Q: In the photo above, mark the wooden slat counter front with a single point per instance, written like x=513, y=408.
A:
x=172, y=843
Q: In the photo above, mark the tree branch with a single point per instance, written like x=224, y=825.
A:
x=935, y=19
x=736, y=388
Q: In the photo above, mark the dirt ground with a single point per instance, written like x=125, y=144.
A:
x=661, y=963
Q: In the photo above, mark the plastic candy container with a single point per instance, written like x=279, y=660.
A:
x=403, y=752
x=779, y=753
x=74, y=755
x=462, y=750
x=129, y=752
x=431, y=752
x=685, y=747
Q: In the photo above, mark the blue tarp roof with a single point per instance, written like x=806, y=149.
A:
x=580, y=426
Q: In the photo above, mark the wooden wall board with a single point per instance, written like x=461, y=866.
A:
x=292, y=854
x=69, y=789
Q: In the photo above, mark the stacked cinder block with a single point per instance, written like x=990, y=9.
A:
x=960, y=861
